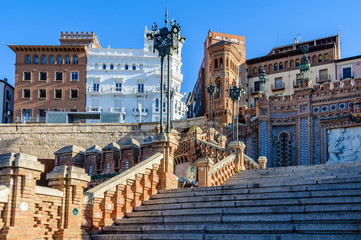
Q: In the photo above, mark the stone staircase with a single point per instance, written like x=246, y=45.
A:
x=302, y=202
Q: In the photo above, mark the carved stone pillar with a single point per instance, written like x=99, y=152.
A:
x=204, y=166
x=237, y=147
x=262, y=162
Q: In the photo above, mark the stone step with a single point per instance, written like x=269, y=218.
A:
x=236, y=190
x=354, y=217
x=232, y=195
x=251, y=202
x=178, y=236
x=292, y=208
x=346, y=228
x=306, y=174
x=264, y=184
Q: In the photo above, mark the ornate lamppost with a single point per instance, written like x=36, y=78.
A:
x=211, y=89
x=235, y=94
x=262, y=80
x=305, y=67
x=166, y=41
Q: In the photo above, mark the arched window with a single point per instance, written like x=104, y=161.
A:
x=320, y=58
x=284, y=150
x=215, y=63
x=104, y=66
x=27, y=59
x=134, y=67
x=291, y=64
x=43, y=59
x=221, y=62
x=286, y=65
x=218, y=93
x=275, y=67
x=111, y=66
x=259, y=69
x=255, y=70
x=51, y=59
x=36, y=59
x=67, y=60
x=270, y=67
x=325, y=57
x=75, y=60
x=314, y=59
x=227, y=62
x=126, y=67
x=59, y=60
x=297, y=62
x=281, y=66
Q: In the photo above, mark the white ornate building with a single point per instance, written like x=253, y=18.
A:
x=128, y=81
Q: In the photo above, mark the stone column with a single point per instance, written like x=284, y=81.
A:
x=19, y=172
x=204, y=166
x=237, y=147
x=262, y=162
x=166, y=143
x=71, y=181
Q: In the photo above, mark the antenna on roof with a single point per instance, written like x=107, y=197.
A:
x=297, y=40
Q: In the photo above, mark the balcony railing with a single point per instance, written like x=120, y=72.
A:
x=117, y=90
x=140, y=91
x=94, y=90
x=296, y=83
x=278, y=87
x=121, y=110
x=137, y=113
x=25, y=119
x=94, y=109
x=345, y=76
x=254, y=90
x=323, y=78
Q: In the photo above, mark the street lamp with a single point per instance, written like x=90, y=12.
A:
x=211, y=89
x=235, y=94
x=262, y=79
x=305, y=67
x=166, y=41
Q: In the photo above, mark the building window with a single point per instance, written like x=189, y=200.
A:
x=134, y=67
x=256, y=86
x=73, y=93
x=108, y=167
x=278, y=82
x=325, y=57
x=42, y=94
x=291, y=64
x=51, y=60
x=281, y=66
x=104, y=66
x=95, y=87
x=58, y=76
x=111, y=66
x=346, y=73
x=43, y=59
x=298, y=78
x=140, y=87
x=118, y=87
x=58, y=94
x=75, y=60
x=74, y=76
x=157, y=102
x=36, y=59
x=25, y=114
x=275, y=67
x=323, y=75
x=286, y=65
x=59, y=60
x=27, y=59
x=221, y=62
x=126, y=67
x=27, y=76
x=8, y=95
x=43, y=76
x=26, y=93
x=215, y=63
x=320, y=58
x=126, y=164
x=67, y=60
x=297, y=62
x=284, y=150
x=90, y=170
x=255, y=70
x=219, y=89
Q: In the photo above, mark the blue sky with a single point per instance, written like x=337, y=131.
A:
x=120, y=24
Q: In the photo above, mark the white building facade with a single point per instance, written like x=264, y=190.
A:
x=128, y=81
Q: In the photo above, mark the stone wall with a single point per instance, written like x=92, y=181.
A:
x=42, y=140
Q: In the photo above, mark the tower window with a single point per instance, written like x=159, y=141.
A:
x=75, y=60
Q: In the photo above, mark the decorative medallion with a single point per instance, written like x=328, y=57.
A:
x=75, y=211
x=24, y=206
x=192, y=169
x=355, y=114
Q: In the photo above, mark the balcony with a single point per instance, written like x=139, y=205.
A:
x=254, y=91
x=137, y=113
x=296, y=83
x=94, y=109
x=323, y=78
x=120, y=110
x=94, y=91
x=278, y=87
x=346, y=75
x=117, y=90
x=140, y=93
x=25, y=119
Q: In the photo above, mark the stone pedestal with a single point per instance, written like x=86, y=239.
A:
x=204, y=166
x=71, y=181
x=262, y=162
x=166, y=143
x=237, y=147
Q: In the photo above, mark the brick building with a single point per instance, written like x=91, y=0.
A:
x=223, y=54
x=51, y=77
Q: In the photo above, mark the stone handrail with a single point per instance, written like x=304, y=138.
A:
x=212, y=150
x=250, y=163
x=223, y=170
x=211, y=145
x=111, y=199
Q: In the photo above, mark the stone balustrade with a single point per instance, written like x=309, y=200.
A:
x=223, y=170
x=111, y=199
x=211, y=150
